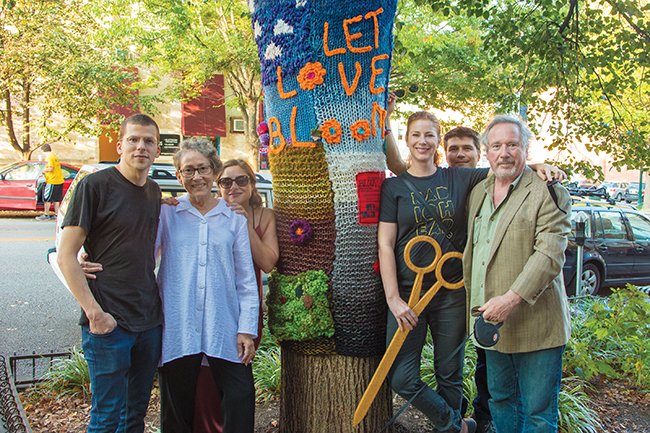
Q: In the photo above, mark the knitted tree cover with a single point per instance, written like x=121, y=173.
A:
x=325, y=68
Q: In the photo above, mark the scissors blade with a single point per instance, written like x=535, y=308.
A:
x=388, y=359
x=379, y=376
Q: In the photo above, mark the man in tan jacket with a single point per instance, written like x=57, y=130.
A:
x=513, y=273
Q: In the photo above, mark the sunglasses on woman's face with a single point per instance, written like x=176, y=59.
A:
x=226, y=182
x=413, y=88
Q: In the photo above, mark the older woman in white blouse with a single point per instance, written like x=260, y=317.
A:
x=210, y=300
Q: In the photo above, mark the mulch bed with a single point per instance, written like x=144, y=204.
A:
x=621, y=410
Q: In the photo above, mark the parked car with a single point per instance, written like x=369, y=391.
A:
x=165, y=176
x=617, y=247
x=616, y=190
x=21, y=184
x=631, y=194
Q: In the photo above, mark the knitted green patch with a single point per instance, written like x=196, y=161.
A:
x=298, y=306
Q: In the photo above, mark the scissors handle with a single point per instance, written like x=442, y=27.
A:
x=420, y=272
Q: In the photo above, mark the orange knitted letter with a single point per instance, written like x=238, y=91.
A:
x=350, y=89
x=375, y=72
x=277, y=133
x=374, y=17
x=294, y=140
x=349, y=38
x=329, y=53
x=281, y=91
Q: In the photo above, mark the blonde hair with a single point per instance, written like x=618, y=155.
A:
x=423, y=115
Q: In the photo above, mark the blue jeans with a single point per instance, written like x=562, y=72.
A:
x=524, y=389
x=445, y=316
x=122, y=365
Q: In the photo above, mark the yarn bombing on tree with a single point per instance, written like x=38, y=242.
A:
x=325, y=69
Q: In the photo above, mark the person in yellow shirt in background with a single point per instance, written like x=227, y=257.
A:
x=53, y=189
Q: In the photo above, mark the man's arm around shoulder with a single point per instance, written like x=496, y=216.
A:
x=72, y=239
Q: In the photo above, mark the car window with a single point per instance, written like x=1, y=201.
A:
x=613, y=225
x=68, y=173
x=599, y=233
x=640, y=227
x=24, y=172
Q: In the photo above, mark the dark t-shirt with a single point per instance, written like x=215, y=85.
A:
x=446, y=191
x=121, y=223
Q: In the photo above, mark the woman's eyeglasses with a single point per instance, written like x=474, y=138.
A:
x=189, y=172
x=226, y=182
x=413, y=88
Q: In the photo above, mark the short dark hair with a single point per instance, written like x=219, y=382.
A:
x=460, y=132
x=139, y=119
x=46, y=148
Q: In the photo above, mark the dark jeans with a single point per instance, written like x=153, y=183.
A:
x=525, y=388
x=445, y=316
x=480, y=403
x=236, y=388
x=122, y=365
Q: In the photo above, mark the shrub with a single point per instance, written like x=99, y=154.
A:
x=68, y=376
x=575, y=414
x=611, y=337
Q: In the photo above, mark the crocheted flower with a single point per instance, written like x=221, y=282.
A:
x=311, y=75
x=375, y=267
x=331, y=131
x=262, y=128
x=300, y=231
x=360, y=129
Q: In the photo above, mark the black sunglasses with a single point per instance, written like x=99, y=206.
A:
x=226, y=182
x=413, y=88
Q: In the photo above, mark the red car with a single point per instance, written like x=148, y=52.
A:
x=21, y=184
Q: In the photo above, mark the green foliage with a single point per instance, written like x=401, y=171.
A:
x=580, y=67
x=575, y=412
x=68, y=376
x=60, y=71
x=267, y=371
x=611, y=337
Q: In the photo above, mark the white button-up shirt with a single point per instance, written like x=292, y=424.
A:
x=207, y=281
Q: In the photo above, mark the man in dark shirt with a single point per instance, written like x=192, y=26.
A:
x=114, y=214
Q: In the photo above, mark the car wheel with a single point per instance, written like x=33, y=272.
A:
x=619, y=197
x=590, y=279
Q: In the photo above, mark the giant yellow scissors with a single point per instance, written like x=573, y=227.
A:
x=417, y=304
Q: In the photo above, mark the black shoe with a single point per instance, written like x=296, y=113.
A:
x=471, y=425
x=486, y=427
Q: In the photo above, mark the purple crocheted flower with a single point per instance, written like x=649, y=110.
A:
x=300, y=231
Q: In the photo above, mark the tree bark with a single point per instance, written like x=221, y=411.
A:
x=319, y=394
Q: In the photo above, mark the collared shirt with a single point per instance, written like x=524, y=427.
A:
x=485, y=226
x=207, y=281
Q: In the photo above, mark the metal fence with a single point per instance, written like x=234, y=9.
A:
x=12, y=415
x=28, y=370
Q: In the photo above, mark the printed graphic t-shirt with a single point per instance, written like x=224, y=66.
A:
x=446, y=191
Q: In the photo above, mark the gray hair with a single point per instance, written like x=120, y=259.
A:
x=202, y=146
x=524, y=132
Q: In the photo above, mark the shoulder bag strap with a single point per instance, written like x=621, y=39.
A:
x=419, y=197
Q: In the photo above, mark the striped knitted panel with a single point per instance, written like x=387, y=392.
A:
x=358, y=302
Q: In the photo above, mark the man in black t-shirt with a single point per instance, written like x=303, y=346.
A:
x=114, y=214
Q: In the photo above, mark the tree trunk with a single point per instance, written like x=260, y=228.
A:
x=26, y=119
x=319, y=394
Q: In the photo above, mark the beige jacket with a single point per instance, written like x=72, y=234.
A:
x=527, y=256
